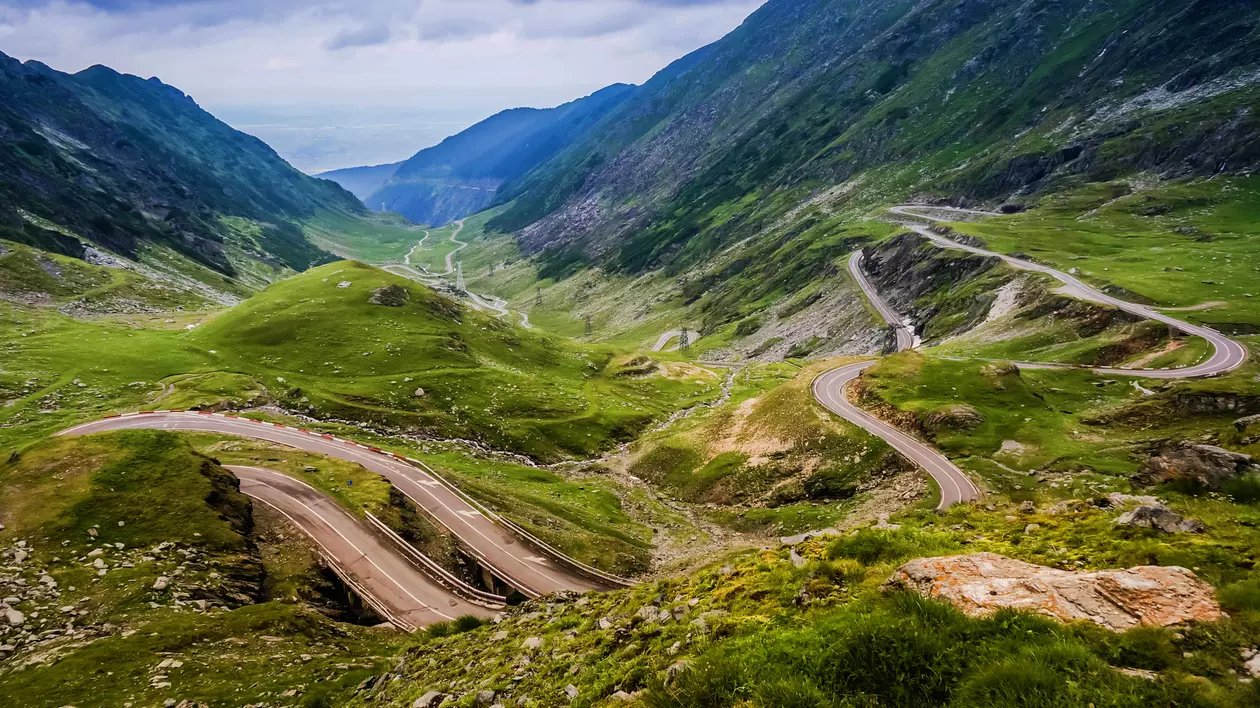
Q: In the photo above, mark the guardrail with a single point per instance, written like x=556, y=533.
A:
x=439, y=574
x=571, y=563
x=366, y=595
x=541, y=546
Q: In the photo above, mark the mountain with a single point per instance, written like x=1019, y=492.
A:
x=362, y=181
x=462, y=174
x=981, y=100
x=125, y=163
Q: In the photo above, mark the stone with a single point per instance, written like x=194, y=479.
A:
x=484, y=698
x=419, y=393
x=1027, y=507
x=390, y=296
x=1160, y=518
x=1030, y=528
x=432, y=699
x=1252, y=666
x=1206, y=464
x=982, y=583
x=532, y=643
x=622, y=697
x=1241, y=424
x=961, y=417
x=797, y=560
x=161, y=583
x=882, y=524
x=14, y=618
x=571, y=691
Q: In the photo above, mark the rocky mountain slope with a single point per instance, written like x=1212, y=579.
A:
x=980, y=99
x=461, y=176
x=121, y=163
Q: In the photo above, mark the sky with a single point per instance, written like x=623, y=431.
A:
x=336, y=83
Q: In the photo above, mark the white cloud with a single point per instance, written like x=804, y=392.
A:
x=475, y=54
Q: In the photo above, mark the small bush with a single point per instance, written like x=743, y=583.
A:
x=1244, y=490
x=1241, y=596
x=749, y=326
x=869, y=546
x=459, y=625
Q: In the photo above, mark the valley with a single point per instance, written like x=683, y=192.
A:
x=877, y=355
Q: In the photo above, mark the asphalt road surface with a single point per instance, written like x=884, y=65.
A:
x=829, y=391
x=408, y=597
x=905, y=337
x=1227, y=354
x=495, y=547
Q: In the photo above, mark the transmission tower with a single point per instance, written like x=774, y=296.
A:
x=538, y=297
x=684, y=340
x=588, y=325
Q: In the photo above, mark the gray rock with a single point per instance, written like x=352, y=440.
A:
x=14, y=618
x=1160, y=518
x=797, y=560
x=571, y=691
x=532, y=643
x=484, y=698
x=622, y=697
x=1206, y=464
x=432, y=699
x=1241, y=424
x=1252, y=666
x=161, y=583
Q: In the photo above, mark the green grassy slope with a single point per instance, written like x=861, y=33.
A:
x=759, y=629
x=308, y=338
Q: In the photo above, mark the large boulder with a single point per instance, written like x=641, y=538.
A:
x=1206, y=464
x=983, y=583
x=1160, y=518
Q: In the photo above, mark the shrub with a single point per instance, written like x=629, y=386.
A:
x=748, y=326
x=1243, y=490
x=1241, y=596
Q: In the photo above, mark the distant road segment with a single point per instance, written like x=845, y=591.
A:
x=1227, y=354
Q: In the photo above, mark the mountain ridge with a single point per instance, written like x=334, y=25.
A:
x=461, y=175
x=120, y=162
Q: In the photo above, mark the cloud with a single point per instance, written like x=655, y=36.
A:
x=362, y=37
x=481, y=55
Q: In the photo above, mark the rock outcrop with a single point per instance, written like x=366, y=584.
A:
x=959, y=416
x=390, y=296
x=983, y=583
x=1160, y=518
x=1206, y=464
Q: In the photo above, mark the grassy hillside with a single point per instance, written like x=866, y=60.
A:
x=759, y=628
x=323, y=347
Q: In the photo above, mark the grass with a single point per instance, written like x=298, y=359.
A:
x=770, y=460
x=325, y=350
x=1048, y=422
x=32, y=274
x=372, y=237
x=756, y=628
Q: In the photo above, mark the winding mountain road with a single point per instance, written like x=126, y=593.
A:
x=494, y=542
x=390, y=583
x=1227, y=354
x=829, y=388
